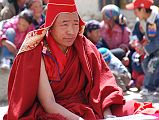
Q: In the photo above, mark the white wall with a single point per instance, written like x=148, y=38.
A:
x=88, y=9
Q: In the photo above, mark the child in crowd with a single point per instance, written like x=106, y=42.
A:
x=10, y=8
x=137, y=43
x=92, y=32
x=148, y=15
x=120, y=72
x=13, y=34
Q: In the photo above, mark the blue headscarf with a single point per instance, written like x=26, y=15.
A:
x=107, y=55
x=110, y=11
x=92, y=25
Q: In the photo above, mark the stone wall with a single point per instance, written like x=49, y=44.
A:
x=87, y=8
x=131, y=18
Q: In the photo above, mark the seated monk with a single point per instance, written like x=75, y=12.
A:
x=58, y=74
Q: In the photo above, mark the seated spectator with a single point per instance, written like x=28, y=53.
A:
x=92, y=32
x=38, y=16
x=120, y=72
x=10, y=8
x=13, y=34
x=113, y=28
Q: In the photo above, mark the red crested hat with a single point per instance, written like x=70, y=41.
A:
x=55, y=7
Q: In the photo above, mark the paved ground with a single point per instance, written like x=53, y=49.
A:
x=3, y=86
x=129, y=95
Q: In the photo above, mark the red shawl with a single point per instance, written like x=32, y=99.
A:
x=100, y=89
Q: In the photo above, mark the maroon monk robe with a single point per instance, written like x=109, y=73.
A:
x=95, y=81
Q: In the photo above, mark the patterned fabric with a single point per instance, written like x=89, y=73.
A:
x=32, y=39
x=7, y=10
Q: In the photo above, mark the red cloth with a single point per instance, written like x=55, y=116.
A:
x=54, y=7
x=138, y=77
x=124, y=110
x=145, y=108
x=56, y=51
x=100, y=89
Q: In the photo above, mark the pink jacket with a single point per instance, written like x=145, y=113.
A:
x=20, y=36
x=115, y=37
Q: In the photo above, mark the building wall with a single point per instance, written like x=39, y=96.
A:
x=88, y=9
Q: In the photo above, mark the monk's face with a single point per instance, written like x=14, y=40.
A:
x=65, y=29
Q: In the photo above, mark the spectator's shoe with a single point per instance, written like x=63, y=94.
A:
x=5, y=64
x=146, y=92
x=156, y=94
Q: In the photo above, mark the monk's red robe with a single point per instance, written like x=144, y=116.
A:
x=86, y=86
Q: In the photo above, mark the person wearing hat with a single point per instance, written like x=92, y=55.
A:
x=58, y=74
x=114, y=30
x=12, y=36
x=148, y=15
x=121, y=73
x=113, y=27
x=93, y=33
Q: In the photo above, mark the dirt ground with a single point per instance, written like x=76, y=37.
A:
x=129, y=95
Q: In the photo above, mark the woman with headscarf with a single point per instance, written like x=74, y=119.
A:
x=114, y=30
x=113, y=27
